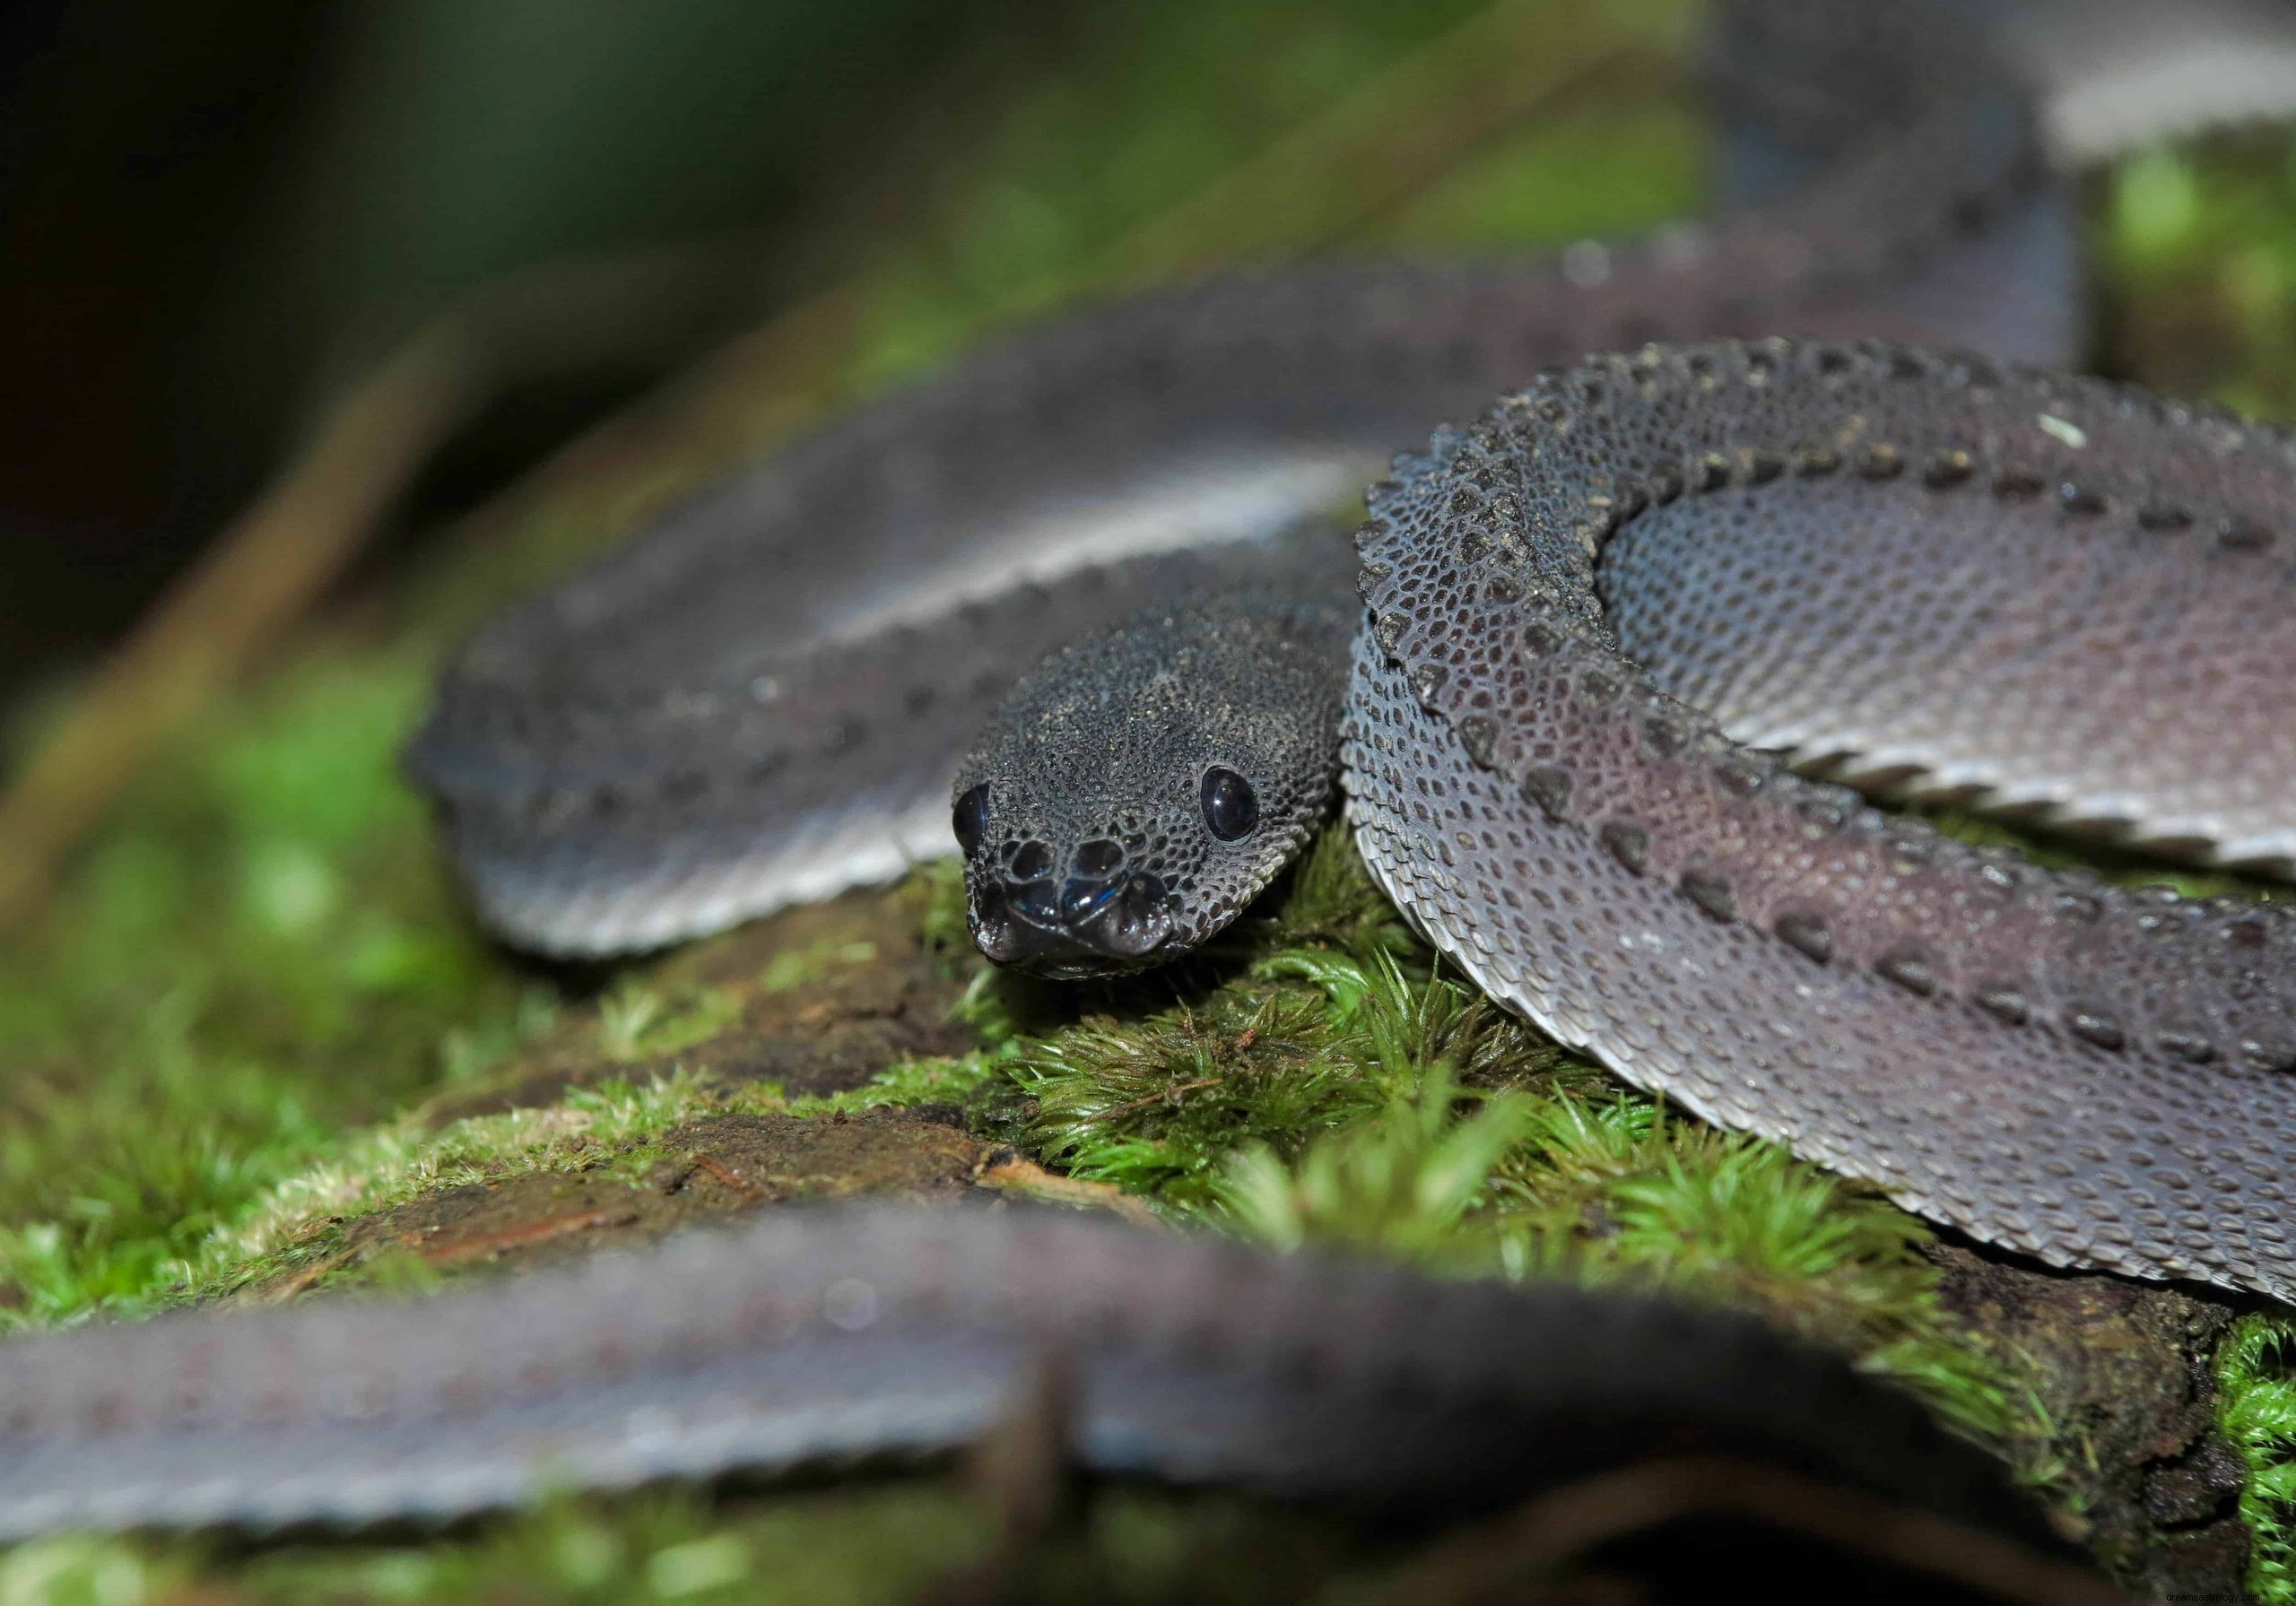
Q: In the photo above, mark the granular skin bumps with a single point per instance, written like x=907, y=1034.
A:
x=1565, y=654
x=1585, y=611
x=762, y=701
x=1839, y=616
x=1109, y=742
x=2092, y=1075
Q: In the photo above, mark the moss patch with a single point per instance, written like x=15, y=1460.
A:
x=693, y=1171
x=2200, y=248
x=258, y=1049
x=262, y=954
x=896, y=1541
x=811, y=1002
x=2258, y=1419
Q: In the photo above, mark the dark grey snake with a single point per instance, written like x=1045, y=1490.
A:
x=1581, y=628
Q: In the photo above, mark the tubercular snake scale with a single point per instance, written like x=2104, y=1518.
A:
x=2092, y=1075
x=1558, y=690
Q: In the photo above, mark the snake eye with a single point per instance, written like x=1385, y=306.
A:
x=969, y=817
x=1229, y=809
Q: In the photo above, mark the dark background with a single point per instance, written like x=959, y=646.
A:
x=212, y=211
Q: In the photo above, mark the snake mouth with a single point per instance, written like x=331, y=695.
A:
x=1085, y=926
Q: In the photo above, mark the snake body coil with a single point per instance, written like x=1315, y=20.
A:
x=2094, y=1076
x=1585, y=621
x=819, y=1335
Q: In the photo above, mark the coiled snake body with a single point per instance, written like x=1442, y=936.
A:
x=1581, y=628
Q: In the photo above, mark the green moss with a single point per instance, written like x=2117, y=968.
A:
x=968, y=1081
x=1401, y=1184
x=1149, y=122
x=256, y=969
x=938, y=890
x=893, y=1542
x=299, y=1221
x=1152, y=1104
x=2257, y=1410
x=261, y=954
x=2198, y=247
x=1298, y=1041
x=638, y=1019
x=1606, y=1188
x=661, y=1546
x=1328, y=900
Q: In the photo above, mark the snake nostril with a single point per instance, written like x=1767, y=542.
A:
x=1082, y=898
x=1030, y=862
x=1099, y=857
x=1038, y=900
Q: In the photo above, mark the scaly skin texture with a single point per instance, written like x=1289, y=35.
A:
x=767, y=696
x=2097, y=1077
x=1088, y=781
x=823, y=1334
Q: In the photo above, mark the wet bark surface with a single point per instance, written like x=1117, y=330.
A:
x=871, y=994
x=709, y=1170
x=2124, y=1372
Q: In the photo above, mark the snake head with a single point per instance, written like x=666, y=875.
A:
x=1137, y=789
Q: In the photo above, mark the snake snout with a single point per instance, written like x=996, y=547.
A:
x=1095, y=915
